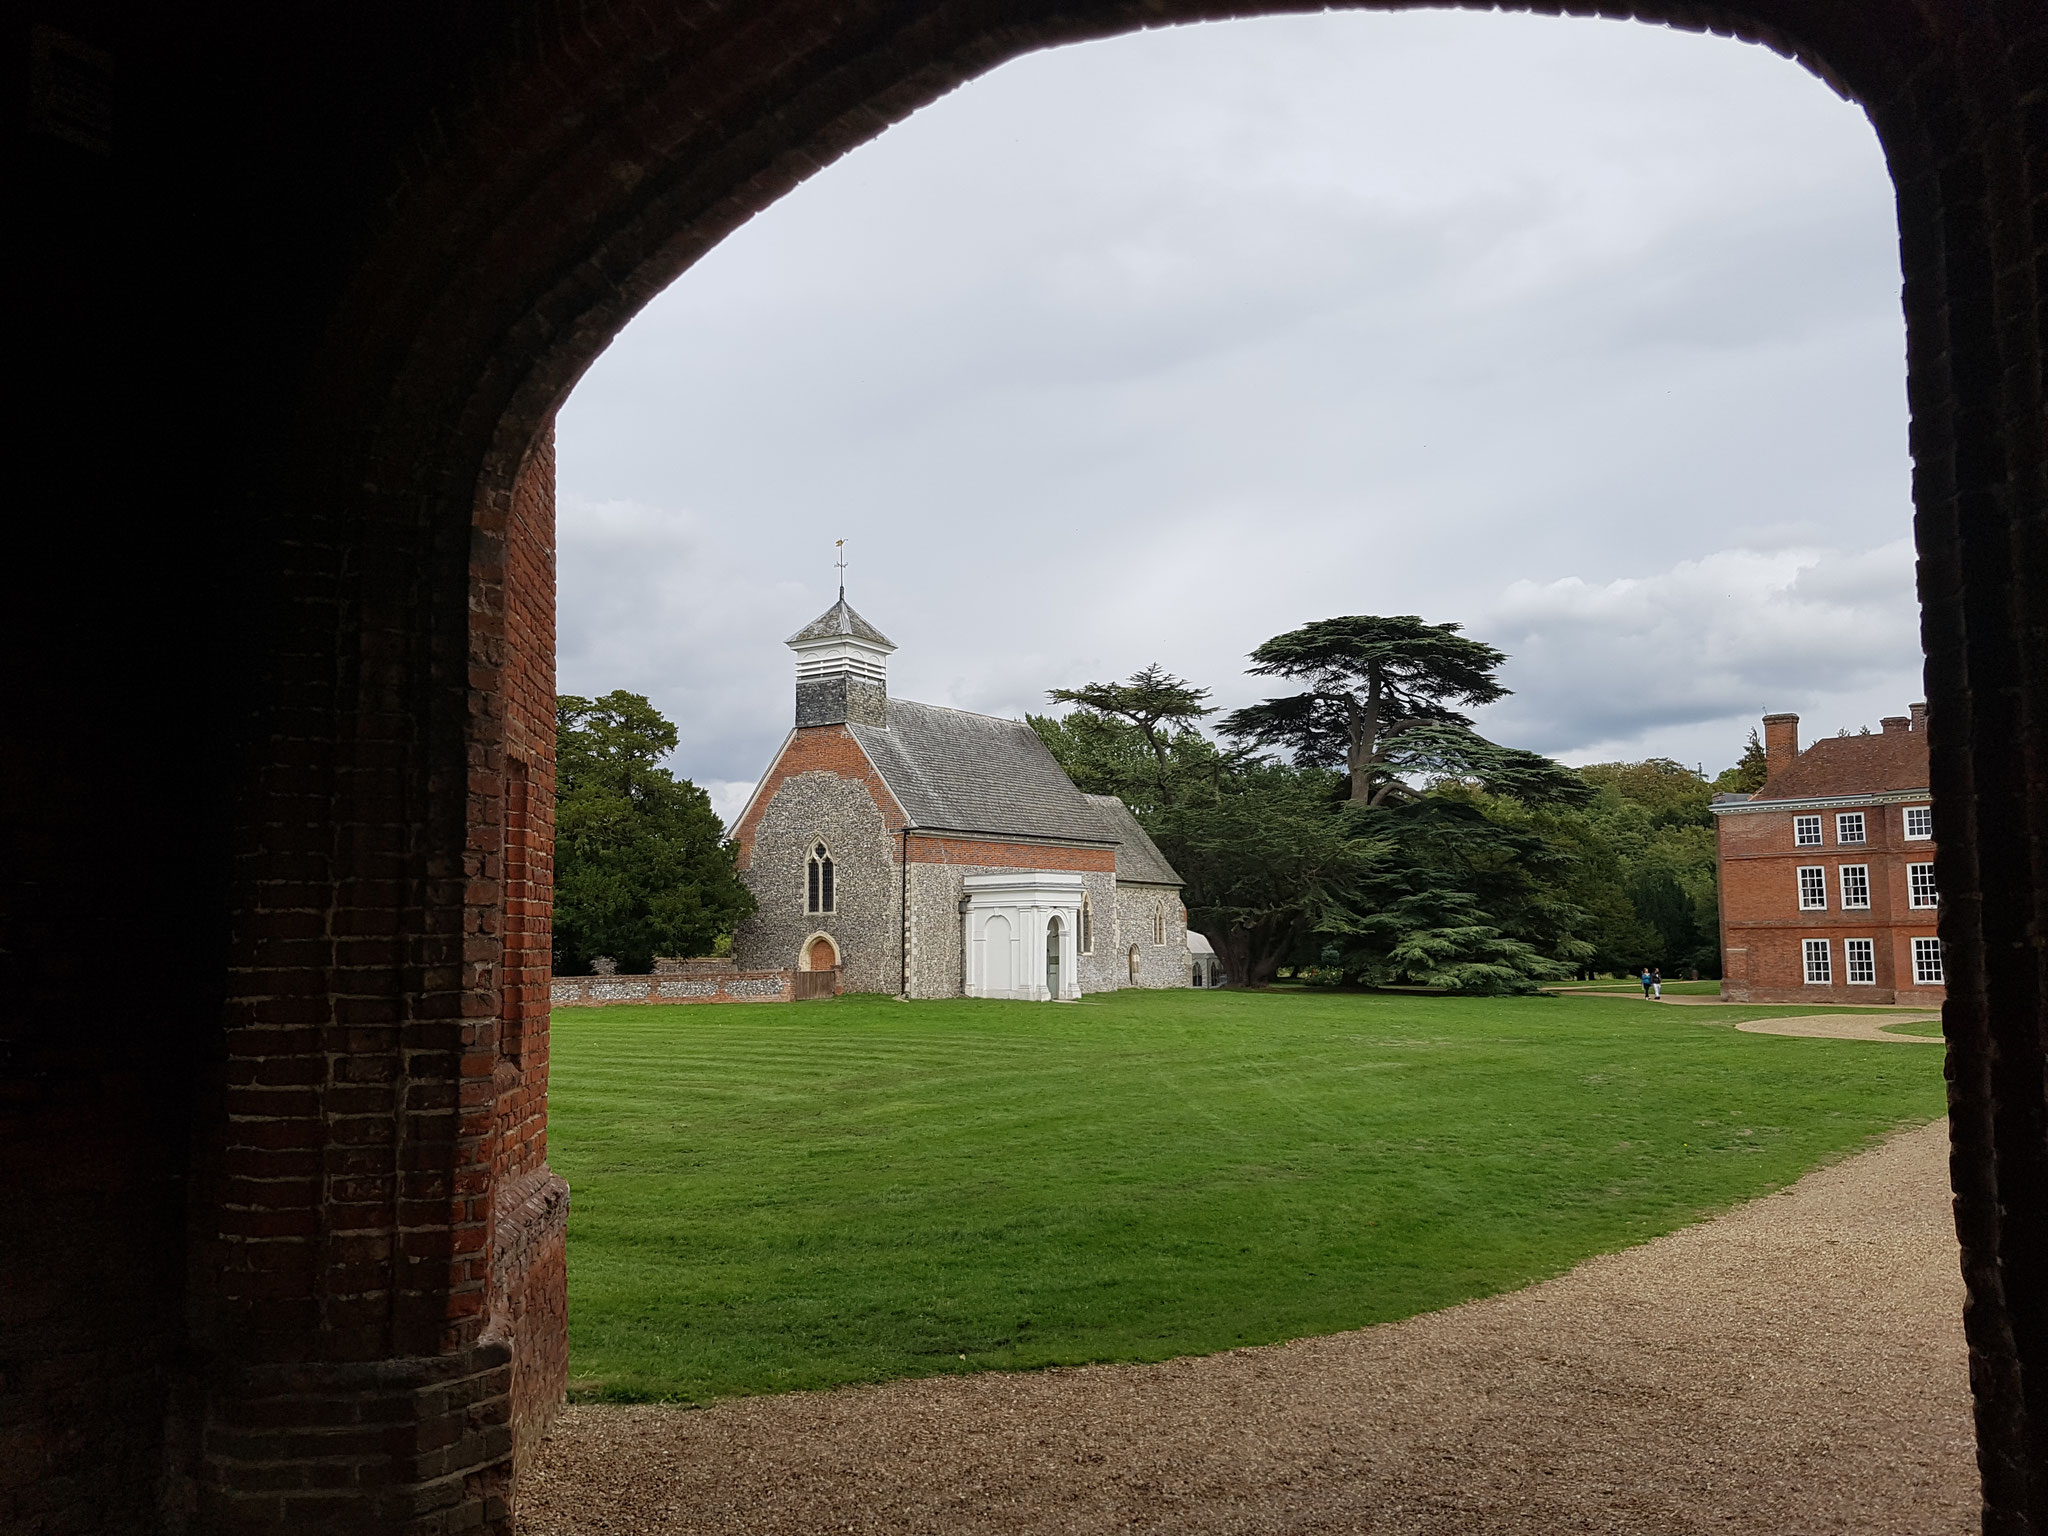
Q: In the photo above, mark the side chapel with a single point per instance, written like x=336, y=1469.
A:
x=933, y=852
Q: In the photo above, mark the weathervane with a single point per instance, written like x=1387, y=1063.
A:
x=841, y=543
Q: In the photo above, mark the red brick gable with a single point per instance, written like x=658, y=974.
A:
x=816, y=749
x=1853, y=765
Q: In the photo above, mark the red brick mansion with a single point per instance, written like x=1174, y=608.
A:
x=1827, y=872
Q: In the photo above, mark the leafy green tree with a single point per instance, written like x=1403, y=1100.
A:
x=1159, y=707
x=1654, y=815
x=1264, y=861
x=1105, y=755
x=642, y=866
x=1459, y=893
x=1371, y=680
x=1749, y=772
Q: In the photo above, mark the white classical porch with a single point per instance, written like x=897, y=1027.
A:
x=1019, y=928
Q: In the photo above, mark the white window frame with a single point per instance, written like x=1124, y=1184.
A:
x=1862, y=872
x=1865, y=951
x=1926, y=814
x=1823, y=973
x=1813, y=888
x=1919, y=882
x=1851, y=834
x=1801, y=825
x=1928, y=970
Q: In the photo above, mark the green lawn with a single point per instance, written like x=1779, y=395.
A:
x=768, y=1198
x=1671, y=988
x=1926, y=1029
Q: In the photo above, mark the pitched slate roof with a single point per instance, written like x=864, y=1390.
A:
x=1853, y=765
x=958, y=772
x=840, y=620
x=1139, y=857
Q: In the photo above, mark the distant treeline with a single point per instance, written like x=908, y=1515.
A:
x=1359, y=831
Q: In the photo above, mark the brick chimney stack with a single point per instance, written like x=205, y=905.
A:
x=1781, y=743
x=1919, y=712
x=1896, y=725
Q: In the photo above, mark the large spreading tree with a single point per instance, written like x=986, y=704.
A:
x=642, y=864
x=1383, y=701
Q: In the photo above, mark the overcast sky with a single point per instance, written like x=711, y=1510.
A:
x=1585, y=335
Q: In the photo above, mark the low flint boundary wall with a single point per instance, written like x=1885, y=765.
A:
x=666, y=987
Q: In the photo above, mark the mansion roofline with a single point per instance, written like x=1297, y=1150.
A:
x=1735, y=805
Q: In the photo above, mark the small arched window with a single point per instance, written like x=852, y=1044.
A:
x=818, y=888
x=1159, y=925
x=1085, y=936
x=1134, y=962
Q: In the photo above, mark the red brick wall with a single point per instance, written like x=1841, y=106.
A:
x=928, y=849
x=235, y=1199
x=529, y=1299
x=1763, y=928
x=817, y=749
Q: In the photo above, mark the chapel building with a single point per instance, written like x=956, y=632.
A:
x=929, y=852
x=1827, y=872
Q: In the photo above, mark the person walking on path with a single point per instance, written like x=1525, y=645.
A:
x=1649, y=979
x=1656, y=984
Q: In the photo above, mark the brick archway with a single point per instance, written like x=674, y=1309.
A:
x=406, y=244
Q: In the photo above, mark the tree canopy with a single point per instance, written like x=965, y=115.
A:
x=642, y=865
x=1468, y=866
x=1371, y=680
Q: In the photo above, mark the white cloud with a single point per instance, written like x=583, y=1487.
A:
x=1149, y=349
x=1716, y=642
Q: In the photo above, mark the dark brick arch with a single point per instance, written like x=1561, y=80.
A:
x=387, y=241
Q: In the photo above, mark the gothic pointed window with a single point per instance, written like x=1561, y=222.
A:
x=1086, y=935
x=818, y=884
x=1159, y=925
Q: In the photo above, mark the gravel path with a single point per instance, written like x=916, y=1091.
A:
x=1837, y=1026
x=1795, y=1366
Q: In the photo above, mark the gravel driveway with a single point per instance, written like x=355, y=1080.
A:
x=1794, y=1366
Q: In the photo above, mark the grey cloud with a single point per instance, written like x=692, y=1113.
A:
x=1147, y=350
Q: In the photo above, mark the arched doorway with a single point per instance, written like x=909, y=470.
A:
x=417, y=329
x=998, y=964
x=818, y=968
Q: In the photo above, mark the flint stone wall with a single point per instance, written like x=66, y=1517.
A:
x=1159, y=965
x=807, y=809
x=729, y=986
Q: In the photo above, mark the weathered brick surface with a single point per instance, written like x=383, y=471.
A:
x=264, y=659
x=1763, y=928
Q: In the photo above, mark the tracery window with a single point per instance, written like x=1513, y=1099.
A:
x=818, y=885
x=1159, y=925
